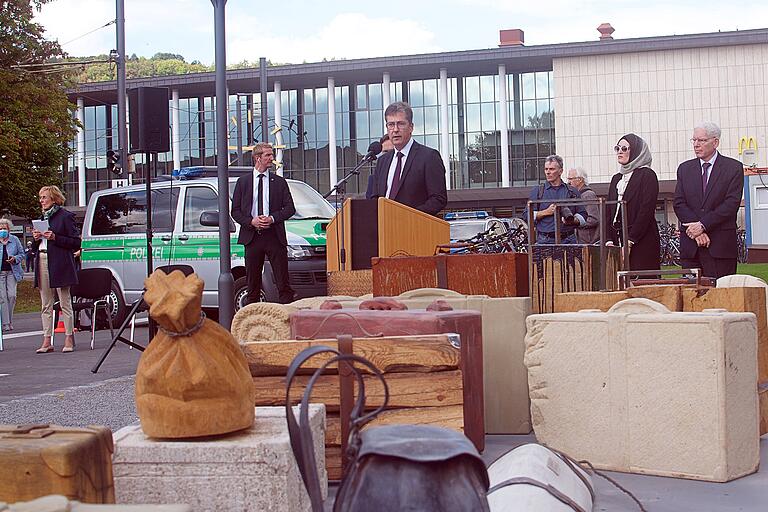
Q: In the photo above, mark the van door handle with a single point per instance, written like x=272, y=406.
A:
x=165, y=238
x=183, y=238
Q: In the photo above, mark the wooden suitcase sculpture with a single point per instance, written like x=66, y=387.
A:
x=314, y=324
x=39, y=460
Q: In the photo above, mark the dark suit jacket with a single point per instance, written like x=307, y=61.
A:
x=422, y=180
x=640, y=196
x=62, y=270
x=716, y=210
x=280, y=206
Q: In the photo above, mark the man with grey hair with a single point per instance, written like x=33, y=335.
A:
x=544, y=210
x=707, y=199
x=588, y=233
x=411, y=174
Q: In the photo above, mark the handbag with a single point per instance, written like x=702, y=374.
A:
x=392, y=467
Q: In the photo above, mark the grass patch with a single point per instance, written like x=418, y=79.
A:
x=751, y=269
x=27, y=298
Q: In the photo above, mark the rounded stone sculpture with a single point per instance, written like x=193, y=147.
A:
x=193, y=379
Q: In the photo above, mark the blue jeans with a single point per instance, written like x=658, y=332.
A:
x=549, y=238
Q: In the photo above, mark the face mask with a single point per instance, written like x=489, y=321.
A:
x=3, y=233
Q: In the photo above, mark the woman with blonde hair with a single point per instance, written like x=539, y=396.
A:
x=10, y=273
x=56, y=270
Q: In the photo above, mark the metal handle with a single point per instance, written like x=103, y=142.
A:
x=183, y=238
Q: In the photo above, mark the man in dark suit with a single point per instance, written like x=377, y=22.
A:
x=411, y=174
x=261, y=203
x=707, y=199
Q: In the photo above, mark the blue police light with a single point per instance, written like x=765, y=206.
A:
x=188, y=173
x=479, y=214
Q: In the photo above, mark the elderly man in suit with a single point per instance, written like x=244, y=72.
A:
x=411, y=174
x=261, y=203
x=707, y=199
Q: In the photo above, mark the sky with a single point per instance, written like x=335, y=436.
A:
x=291, y=31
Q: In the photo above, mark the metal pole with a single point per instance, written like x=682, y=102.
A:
x=603, y=248
x=226, y=282
x=239, y=132
x=263, y=97
x=122, y=121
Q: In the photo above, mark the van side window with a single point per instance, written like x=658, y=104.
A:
x=197, y=201
x=125, y=213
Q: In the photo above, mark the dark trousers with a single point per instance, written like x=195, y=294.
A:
x=709, y=265
x=267, y=244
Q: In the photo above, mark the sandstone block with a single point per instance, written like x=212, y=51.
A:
x=644, y=390
x=250, y=470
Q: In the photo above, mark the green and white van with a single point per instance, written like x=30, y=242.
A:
x=114, y=237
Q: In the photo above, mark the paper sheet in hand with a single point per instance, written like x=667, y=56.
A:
x=40, y=225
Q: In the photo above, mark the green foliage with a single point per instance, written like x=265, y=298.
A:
x=35, y=116
x=162, y=64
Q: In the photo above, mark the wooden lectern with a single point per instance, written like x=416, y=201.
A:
x=381, y=227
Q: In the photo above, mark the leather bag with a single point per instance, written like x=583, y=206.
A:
x=394, y=467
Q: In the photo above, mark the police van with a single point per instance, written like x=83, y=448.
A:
x=185, y=231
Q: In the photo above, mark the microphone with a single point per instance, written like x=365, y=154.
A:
x=373, y=151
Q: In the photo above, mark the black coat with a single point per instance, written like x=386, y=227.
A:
x=281, y=206
x=422, y=180
x=640, y=196
x=62, y=270
x=716, y=210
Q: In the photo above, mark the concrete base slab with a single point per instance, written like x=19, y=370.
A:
x=250, y=470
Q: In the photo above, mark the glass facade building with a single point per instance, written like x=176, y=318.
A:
x=474, y=143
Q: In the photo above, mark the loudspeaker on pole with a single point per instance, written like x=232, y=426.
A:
x=148, y=120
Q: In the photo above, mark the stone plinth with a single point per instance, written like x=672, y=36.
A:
x=250, y=470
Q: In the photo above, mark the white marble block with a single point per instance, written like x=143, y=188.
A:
x=505, y=381
x=643, y=390
x=246, y=471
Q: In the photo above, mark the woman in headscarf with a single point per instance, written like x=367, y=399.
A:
x=637, y=184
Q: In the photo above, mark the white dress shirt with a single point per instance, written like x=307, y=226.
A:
x=393, y=164
x=265, y=192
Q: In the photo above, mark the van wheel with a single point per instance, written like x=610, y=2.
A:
x=241, y=294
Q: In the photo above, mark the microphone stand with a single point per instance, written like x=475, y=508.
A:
x=341, y=188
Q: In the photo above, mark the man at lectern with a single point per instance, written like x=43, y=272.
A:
x=412, y=174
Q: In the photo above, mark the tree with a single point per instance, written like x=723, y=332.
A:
x=35, y=116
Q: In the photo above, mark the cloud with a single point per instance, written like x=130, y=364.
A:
x=348, y=35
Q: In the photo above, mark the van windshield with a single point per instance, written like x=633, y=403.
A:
x=309, y=203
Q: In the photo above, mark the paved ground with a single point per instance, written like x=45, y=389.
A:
x=60, y=388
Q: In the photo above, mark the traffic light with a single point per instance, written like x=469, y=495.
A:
x=113, y=162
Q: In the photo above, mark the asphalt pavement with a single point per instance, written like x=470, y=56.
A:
x=59, y=387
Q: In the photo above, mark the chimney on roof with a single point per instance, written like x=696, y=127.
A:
x=606, y=30
x=511, y=37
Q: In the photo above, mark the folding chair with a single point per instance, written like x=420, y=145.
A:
x=91, y=293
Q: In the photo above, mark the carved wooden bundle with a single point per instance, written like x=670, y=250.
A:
x=192, y=380
x=262, y=321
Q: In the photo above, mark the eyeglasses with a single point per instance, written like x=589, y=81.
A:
x=400, y=124
x=621, y=149
x=574, y=178
x=701, y=141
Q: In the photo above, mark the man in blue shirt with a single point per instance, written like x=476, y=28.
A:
x=544, y=213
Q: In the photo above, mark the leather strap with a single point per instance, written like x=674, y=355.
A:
x=347, y=397
x=442, y=271
x=300, y=433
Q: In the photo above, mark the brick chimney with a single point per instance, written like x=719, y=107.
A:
x=606, y=30
x=511, y=37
